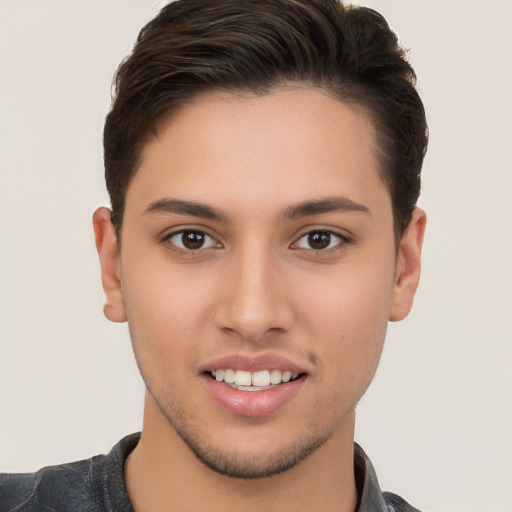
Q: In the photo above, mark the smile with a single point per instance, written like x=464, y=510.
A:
x=254, y=385
x=253, y=381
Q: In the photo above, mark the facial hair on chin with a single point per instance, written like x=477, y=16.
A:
x=235, y=463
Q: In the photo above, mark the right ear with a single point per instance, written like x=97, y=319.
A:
x=110, y=261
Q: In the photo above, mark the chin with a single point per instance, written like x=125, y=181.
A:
x=252, y=464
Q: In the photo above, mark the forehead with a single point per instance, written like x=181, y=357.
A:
x=283, y=147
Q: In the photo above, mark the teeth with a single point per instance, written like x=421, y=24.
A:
x=229, y=376
x=242, y=378
x=261, y=379
x=275, y=377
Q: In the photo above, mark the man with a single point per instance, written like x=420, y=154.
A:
x=263, y=162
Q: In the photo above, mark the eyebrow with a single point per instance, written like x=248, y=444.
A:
x=181, y=207
x=327, y=205
x=304, y=209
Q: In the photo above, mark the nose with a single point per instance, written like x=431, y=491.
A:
x=255, y=300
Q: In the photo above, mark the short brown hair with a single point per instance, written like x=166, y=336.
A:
x=197, y=46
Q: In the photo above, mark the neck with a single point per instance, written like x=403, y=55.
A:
x=162, y=471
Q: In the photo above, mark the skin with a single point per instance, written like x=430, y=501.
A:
x=257, y=286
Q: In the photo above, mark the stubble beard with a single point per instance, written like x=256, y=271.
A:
x=233, y=462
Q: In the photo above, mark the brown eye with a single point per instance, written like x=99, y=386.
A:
x=192, y=240
x=320, y=240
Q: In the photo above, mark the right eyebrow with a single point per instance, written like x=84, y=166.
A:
x=182, y=207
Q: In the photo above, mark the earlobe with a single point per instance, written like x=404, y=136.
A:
x=408, y=267
x=108, y=252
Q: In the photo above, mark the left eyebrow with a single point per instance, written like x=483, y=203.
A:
x=327, y=205
x=181, y=207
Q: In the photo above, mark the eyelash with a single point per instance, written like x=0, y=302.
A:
x=342, y=240
x=197, y=233
x=168, y=238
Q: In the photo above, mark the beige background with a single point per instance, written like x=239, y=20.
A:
x=438, y=420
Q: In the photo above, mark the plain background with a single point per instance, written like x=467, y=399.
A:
x=437, y=421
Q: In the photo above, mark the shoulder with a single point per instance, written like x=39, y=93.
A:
x=395, y=503
x=52, y=487
x=91, y=485
x=371, y=498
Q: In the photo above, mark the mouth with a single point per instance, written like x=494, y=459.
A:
x=253, y=386
x=261, y=380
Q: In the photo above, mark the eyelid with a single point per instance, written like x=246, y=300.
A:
x=168, y=232
x=344, y=239
x=166, y=238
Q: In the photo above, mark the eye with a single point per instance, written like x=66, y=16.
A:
x=320, y=240
x=191, y=240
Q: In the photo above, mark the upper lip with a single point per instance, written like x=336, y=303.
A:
x=253, y=363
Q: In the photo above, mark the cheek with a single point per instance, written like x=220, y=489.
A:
x=347, y=317
x=349, y=297
x=162, y=292
x=166, y=313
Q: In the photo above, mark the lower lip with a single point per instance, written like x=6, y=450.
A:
x=253, y=403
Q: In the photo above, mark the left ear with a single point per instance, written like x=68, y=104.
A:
x=408, y=266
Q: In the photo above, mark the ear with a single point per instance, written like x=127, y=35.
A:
x=110, y=261
x=408, y=266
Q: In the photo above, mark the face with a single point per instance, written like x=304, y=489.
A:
x=258, y=271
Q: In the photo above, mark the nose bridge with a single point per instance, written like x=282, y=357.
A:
x=254, y=301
